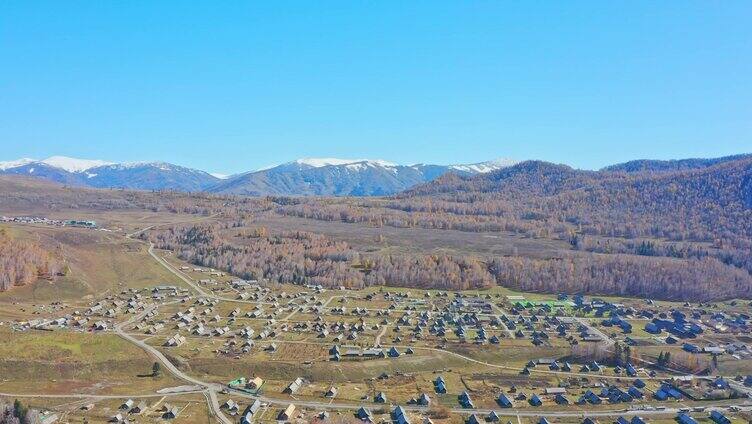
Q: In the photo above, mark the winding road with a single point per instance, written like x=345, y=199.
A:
x=209, y=388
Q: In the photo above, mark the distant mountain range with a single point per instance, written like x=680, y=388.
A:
x=342, y=177
x=303, y=177
x=101, y=174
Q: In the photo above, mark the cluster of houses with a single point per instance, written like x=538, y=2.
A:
x=129, y=409
x=336, y=354
x=98, y=316
x=538, y=329
x=591, y=366
x=558, y=395
x=676, y=389
x=47, y=221
x=175, y=341
x=198, y=323
x=682, y=418
x=493, y=417
x=248, y=415
x=448, y=317
x=461, y=313
x=202, y=319
x=716, y=416
x=677, y=325
x=211, y=271
x=32, y=220
x=458, y=316
x=101, y=314
x=252, y=384
x=397, y=415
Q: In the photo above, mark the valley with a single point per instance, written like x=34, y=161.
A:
x=355, y=212
x=152, y=282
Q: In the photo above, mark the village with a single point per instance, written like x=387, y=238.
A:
x=79, y=223
x=285, y=353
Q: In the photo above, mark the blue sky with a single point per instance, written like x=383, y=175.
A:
x=233, y=86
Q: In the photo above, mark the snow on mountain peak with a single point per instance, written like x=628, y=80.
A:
x=321, y=162
x=73, y=164
x=15, y=163
x=140, y=164
x=502, y=162
x=483, y=167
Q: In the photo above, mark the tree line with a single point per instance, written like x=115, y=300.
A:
x=299, y=257
x=24, y=261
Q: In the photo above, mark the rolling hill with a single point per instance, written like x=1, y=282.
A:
x=533, y=226
x=672, y=165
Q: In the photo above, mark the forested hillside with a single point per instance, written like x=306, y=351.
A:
x=681, y=234
x=23, y=262
x=304, y=258
x=672, y=165
x=699, y=205
x=534, y=226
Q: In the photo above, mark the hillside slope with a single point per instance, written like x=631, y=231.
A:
x=674, y=235
x=535, y=226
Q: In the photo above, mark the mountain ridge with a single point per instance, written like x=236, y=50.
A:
x=343, y=177
x=305, y=176
x=103, y=174
x=336, y=176
x=672, y=164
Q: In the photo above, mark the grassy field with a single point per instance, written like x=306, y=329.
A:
x=410, y=240
x=65, y=362
x=98, y=262
x=193, y=408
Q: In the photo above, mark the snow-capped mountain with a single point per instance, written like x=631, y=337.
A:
x=309, y=176
x=102, y=174
x=60, y=162
x=483, y=167
x=149, y=176
x=73, y=164
x=321, y=162
x=344, y=177
x=15, y=163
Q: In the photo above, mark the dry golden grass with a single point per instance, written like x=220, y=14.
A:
x=98, y=262
x=67, y=362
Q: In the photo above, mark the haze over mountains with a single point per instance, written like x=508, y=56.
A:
x=101, y=174
x=338, y=177
x=302, y=177
x=313, y=176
